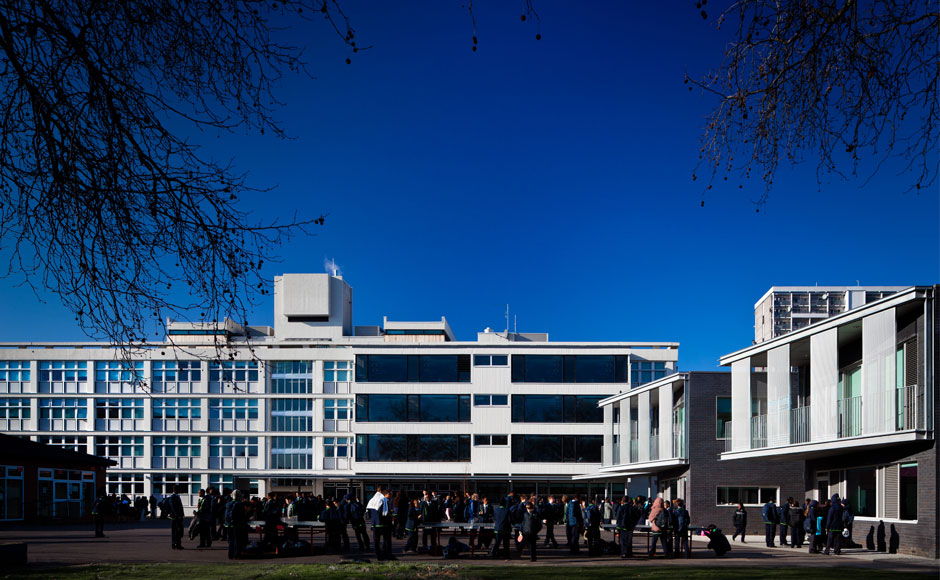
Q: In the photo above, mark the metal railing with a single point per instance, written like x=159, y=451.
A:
x=654, y=447
x=728, y=446
x=909, y=408
x=800, y=425
x=634, y=451
x=850, y=417
x=615, y=454
x=758, y=431
x=678, y=443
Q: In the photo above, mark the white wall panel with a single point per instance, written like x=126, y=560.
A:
x=878, y=362
x=824, y=381
x=665, y=421
x=643, y=426
x=741, y=405
x=778, y=396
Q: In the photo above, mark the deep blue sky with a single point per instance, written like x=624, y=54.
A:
x=552, y=175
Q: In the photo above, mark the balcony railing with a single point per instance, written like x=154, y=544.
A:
x=758, y=431
x=615, y=456
x=634, y=453
x=728, y=446
x=654, y=447
x=678, y=443
x=800, y=425
x=850, y=417
x=910, y=408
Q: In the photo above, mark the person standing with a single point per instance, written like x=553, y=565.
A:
x=795, y=521
x=683, y=519
x=430, y=514
x=834, y=526
x=380, y=514
x=811, y=525
x=659, y=525
x=625, y=518
x=176, y=515
x=769, y=514
x=502, y=529
x=531, y=525
x=592, y=523
x=740, y=523
x=782, y=520
x=575, y=521
x=412, y=519
x=549, y=514
x=98, y=508
x=204, y=511
x=236, y=525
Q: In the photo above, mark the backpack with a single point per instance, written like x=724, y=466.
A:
x=662, y=520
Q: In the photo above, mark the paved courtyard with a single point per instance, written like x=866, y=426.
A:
x=149, y=542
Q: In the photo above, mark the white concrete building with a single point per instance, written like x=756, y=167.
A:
x=318, y=405
x=783, y=309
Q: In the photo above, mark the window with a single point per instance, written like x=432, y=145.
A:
x=907, y=491
x=71, y=442
x=413, y=368
x=118, y=376
x=14, y=371
x=119, y=446
x=336, y=371
x=11, y=492
x=490, y=400
x=14, y=408
x=172, y=371
x=119, y=408
x=556, y=409
x=541, y=368
x=125, y=483
x=642, y=372
x=291, y=377
x=63, y=409
x=557, y=449
x=57, y=376
x=436, y=448
x=232, y=376
x=233, y=446
x=292, y=452
x=233, y=408
x=424, y=408
x=722, y=417
x=176, y=409
x=490, y=360
x=490, y=440
x=754, y=496
x=177, y=447
x=291, y=414
x=337, y=446
x=336, y=409
x=860, y=488
x=164, y=483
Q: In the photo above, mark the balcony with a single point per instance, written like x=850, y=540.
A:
x=758, y=431
x=634, y=451
x=909, y=408
x=654, y=447
x=678, y=443
x=800, y=425
x=850, y=417
x=615, y=456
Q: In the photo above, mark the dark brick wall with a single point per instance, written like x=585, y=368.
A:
x=707, y=472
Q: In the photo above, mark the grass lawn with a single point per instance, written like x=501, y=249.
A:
x=267, y=571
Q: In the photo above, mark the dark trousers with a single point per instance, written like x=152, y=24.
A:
x=99, y=526
x=362, y=538
x=834, y=542
x=382, y=537
x=572, y=532
x=550, y=535
x=783, y=535
x=796, y=536
x=529, y=541
x=234, y=546
x=770, y=530
x=626, y=541
x=500, y=537
x=816, y=542
x=429, y=533
x=593, y=541
x=681, y=543
x=412, y=544
x=205, y=533
x=739, y=530
x=344, y=533
x=176, y=532
x=333, y=540
x=660, y=537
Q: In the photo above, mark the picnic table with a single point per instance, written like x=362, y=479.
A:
x=648, y=530
x=289, y=523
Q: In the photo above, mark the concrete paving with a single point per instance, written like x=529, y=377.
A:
x=143, y=542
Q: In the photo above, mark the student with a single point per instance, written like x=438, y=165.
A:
x=795, y=521
x=682, y=520
x=769, y=515
x=412, y=520
x=740, y=523
x=97, y=512
x=334, y=525
x=592, y=523
x=549, y=514
x=659, y=520
x=502, y=529
x=380, y=514
x=430, y=514
x=625, y=518
x=834, y=526
x=574, y=524
x=355, y=515
x=176, y=515
x=531, y=525
x=235, y=521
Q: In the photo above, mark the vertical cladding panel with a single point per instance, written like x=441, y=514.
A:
x=891, y=490
x=643, y=426
x=609, y=426
x=824, y=378
x=878, y=363
x=741, y=405
x=665, y=421
x=778, y=396
x=624, y=430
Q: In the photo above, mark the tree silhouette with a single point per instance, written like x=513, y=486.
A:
x=847, y=84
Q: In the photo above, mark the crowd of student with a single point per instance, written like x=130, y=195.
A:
x=827, y=525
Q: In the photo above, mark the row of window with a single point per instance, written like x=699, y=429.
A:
x=434, y=448
x=424, y=408
x=557, y=449
x=556, y=409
